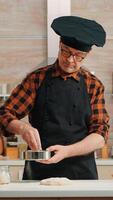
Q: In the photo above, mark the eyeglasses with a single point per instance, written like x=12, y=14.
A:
x=67, y=54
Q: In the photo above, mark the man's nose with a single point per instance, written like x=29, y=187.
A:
x=71, y=58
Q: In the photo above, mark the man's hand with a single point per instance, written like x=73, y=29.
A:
x=31, y=136
x=60, y=151
x=89, y=144
x=28, y=133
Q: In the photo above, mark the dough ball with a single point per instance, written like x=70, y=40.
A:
x=56, y=181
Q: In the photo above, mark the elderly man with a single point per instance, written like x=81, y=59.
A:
x=65, y=104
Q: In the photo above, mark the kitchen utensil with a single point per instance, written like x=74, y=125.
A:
x=36, y=155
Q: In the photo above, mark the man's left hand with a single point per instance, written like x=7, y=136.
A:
x=60, y=152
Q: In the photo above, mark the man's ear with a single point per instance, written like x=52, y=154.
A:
x=90, y=50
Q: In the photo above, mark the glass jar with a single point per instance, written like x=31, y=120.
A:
x=4, y=175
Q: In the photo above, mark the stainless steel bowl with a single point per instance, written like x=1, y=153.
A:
x=36, y=155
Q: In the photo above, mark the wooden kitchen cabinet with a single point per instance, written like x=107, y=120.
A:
x=105, y=171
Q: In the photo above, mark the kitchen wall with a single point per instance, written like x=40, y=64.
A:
x=23, y=37
x=23, y=41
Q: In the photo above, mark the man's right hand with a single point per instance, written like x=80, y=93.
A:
x=28, y=133
x=31, y=136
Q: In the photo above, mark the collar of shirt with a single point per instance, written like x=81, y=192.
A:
x=58, y=72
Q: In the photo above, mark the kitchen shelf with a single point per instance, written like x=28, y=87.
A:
x=4, y=95
x=12, y=162
x=22, y=162
x=104, y=161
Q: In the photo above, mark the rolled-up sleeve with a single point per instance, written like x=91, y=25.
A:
x=19, y=104
x=99, y=120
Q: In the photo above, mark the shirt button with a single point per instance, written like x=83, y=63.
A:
x=74, y=106
x=52, y=83
x=78, y=88
x=70, y=123
x=48, y=85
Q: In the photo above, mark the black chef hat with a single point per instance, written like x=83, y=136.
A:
x=79, y=33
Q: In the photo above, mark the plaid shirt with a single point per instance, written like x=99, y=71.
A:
x=22, y=99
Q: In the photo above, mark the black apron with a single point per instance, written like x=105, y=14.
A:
x=61, y=114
